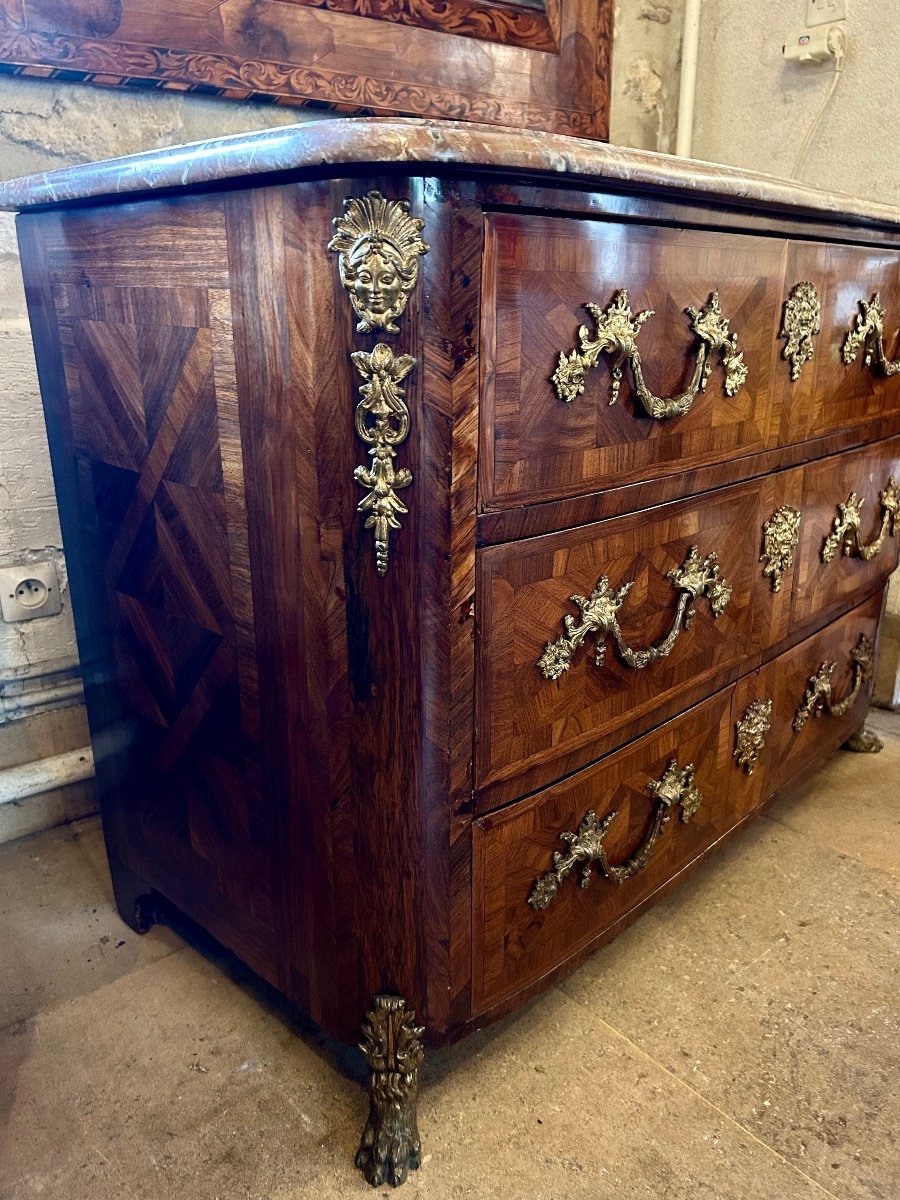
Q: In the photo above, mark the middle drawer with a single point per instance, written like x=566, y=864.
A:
x=591, y=635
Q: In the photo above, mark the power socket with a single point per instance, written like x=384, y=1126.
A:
x=28, y=591
x=823, y=12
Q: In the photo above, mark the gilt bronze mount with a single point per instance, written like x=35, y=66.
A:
x=378, y=245
x=676, y=787
x=390, y=1147
x=818, y=698
x=781, y=533
x=750, y=734
x=616, y=333
x=867, y=335
x=844, y=534
x=801, y=322
x=695, y=577
x=382, y=422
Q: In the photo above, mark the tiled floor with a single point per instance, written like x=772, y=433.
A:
x=740, y=1042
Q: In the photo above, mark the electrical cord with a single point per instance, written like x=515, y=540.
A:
x=836, y=44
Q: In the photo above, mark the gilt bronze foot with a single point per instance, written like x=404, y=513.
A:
x=390, y=1148
x=864, y=741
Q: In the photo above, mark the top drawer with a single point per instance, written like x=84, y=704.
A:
x=539, y=273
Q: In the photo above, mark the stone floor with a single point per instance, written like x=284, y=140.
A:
x=740, y=1042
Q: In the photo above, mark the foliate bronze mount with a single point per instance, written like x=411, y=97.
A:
x=818, y=696
x=675, y=788
x=382, y=422
x=801, y=321
x=695, y=577
x=617, y=331
x=390, y=1147
x=867, y=334
x=750, y=734
x=378, y=245
x=781, y=533
x=844, y=534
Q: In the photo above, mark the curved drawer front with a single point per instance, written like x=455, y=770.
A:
x=851, y=392
x=517, y=941
x=850, y=531
x=816, y=326
x=539, y=274
x=546, y=705
x=812, y=710
x=567, y=867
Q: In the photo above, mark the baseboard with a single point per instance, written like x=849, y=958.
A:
x=887, y=675
x=18, y=818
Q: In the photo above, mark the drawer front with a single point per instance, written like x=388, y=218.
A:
x=844, y=480
x=851, y=393
x=539, y=273
x=646, y=816
x=532, y=728
x=793, y=743
x=516, y=942
x=829, y=394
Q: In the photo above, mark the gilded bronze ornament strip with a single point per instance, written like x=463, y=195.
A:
x=390, y=1147
x=676, y=788
x=801, y=321
x=818, y=697
x=616, y=333
x=781, y=533
x=750, y=734
x=695, y=577
x=382, y=422
x=844, y=536
x=378, y=246
x=867, y=335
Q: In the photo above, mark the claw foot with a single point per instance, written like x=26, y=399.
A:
x=864, y=741
x=390, y=1148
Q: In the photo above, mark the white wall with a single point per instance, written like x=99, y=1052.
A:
x=753, y=108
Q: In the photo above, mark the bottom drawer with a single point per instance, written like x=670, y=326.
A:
x=553, y=873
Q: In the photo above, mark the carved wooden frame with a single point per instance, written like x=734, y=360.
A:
x=573, y=90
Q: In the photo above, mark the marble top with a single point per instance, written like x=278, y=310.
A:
x=318, y=147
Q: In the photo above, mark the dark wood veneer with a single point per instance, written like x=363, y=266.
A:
x=491, y=61
x=331, y=770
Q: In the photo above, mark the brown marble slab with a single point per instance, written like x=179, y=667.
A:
x=325, y=148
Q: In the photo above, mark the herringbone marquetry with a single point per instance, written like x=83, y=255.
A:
x=146, y=426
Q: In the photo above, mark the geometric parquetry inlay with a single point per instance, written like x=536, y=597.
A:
x=146, y=415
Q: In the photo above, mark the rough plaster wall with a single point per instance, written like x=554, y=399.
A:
x=44, y=125
x=753, y=108
x=645, y=62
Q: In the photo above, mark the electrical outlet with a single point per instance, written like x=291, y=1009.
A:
x=28, y=591
x=823, y=12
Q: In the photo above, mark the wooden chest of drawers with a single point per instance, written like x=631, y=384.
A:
x=433, y=623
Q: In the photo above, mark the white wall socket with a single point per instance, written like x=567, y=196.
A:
x=28, y=591
x=823, y=12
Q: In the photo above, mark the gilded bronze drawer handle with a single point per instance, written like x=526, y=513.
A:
x=818, y=699
x=586, y=846
x=617, y=332
x=868, y=332
x=845, y=529
x=695, y=577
